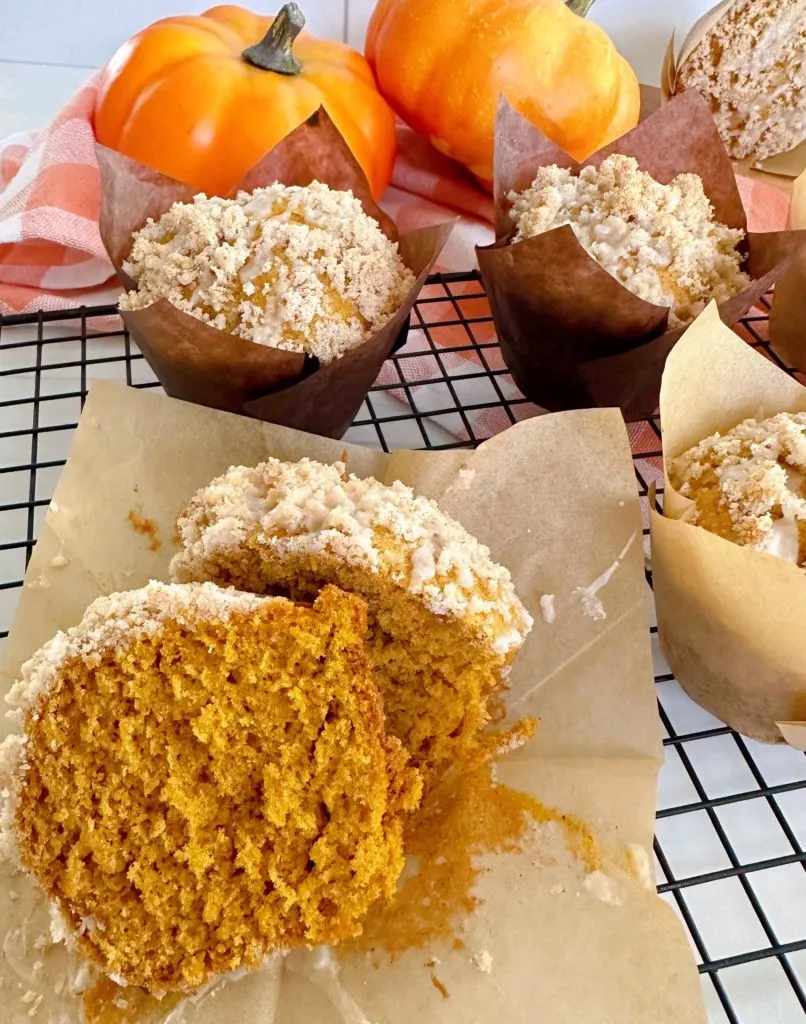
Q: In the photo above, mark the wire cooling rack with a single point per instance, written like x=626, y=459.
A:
x=731, y=824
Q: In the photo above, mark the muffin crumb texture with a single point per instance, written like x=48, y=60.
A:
x=747, y=485
x=750, y=67
x=660, y=241
x=302, y=269
x=205, y=779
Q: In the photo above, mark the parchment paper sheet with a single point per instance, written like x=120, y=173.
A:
x=730, y=620
x=571, y=334
x=555, y=499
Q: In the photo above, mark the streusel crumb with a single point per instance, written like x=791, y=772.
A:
x=660, y=241
x=747, y=485
x=303, y=269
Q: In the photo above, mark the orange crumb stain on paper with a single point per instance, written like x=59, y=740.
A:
x=439, y=986
x=104, y=1002
x=147, y=527
x=458, y=822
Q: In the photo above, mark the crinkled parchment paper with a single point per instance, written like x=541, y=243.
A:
x=730, y=619
x=555, y=499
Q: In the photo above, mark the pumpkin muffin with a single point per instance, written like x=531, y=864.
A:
x=750, y=68
x=660, y=241
x=445, y=622
x=748, y=485
x=302, y=269
x=204, y=779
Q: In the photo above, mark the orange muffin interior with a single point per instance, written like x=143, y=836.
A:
x=444, y=620
x=207, y=780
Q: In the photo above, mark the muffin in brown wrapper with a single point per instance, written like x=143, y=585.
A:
x=571, y=334
x=199, y=363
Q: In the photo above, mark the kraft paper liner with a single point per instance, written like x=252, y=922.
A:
x=788, y=316
x=730, y=620
x=572, y=336
x=788, y=164
x=201, y=364
x=565, y=487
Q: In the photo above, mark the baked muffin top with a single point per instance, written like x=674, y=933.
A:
x=303, y=269
x=307, y=506
x=747, y=484
x=660, y=241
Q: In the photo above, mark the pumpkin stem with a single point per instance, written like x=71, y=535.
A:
x=580, y=7
x=274, y=51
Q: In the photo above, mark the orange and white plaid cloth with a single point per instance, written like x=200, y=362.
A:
x=51, y=256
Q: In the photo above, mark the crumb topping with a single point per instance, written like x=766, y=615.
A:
x=750, y=67
x=205, y=779
x=110, y=620
x=309, y=507
x=302, y=269
x=660, y=241
x=747, y=484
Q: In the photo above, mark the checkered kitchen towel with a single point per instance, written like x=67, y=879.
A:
x=51, y=256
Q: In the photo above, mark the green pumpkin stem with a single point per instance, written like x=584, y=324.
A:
x=274, y=52
x=580, y=7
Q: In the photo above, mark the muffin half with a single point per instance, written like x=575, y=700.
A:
x=445, y=622
x=204, y=778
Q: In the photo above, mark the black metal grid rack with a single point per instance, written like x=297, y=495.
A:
x=731, y=829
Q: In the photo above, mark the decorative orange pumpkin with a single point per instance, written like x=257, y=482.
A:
x=442, y=65
x=203, y=98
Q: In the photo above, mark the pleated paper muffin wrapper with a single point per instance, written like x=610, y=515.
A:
x=789, y=164
x=201, y=364
x=570, y=333
x=730, y=619
x=788, y=315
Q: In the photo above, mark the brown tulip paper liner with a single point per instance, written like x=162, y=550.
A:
x=565, y=487
x=789, y=164
x=201, y=364
x=730, y=619
x=570, y=333
x=788, y=315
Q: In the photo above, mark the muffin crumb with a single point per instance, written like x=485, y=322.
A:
x=205, y=778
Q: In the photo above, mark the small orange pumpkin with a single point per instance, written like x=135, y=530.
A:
x=203, y=98
x=442, y=65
